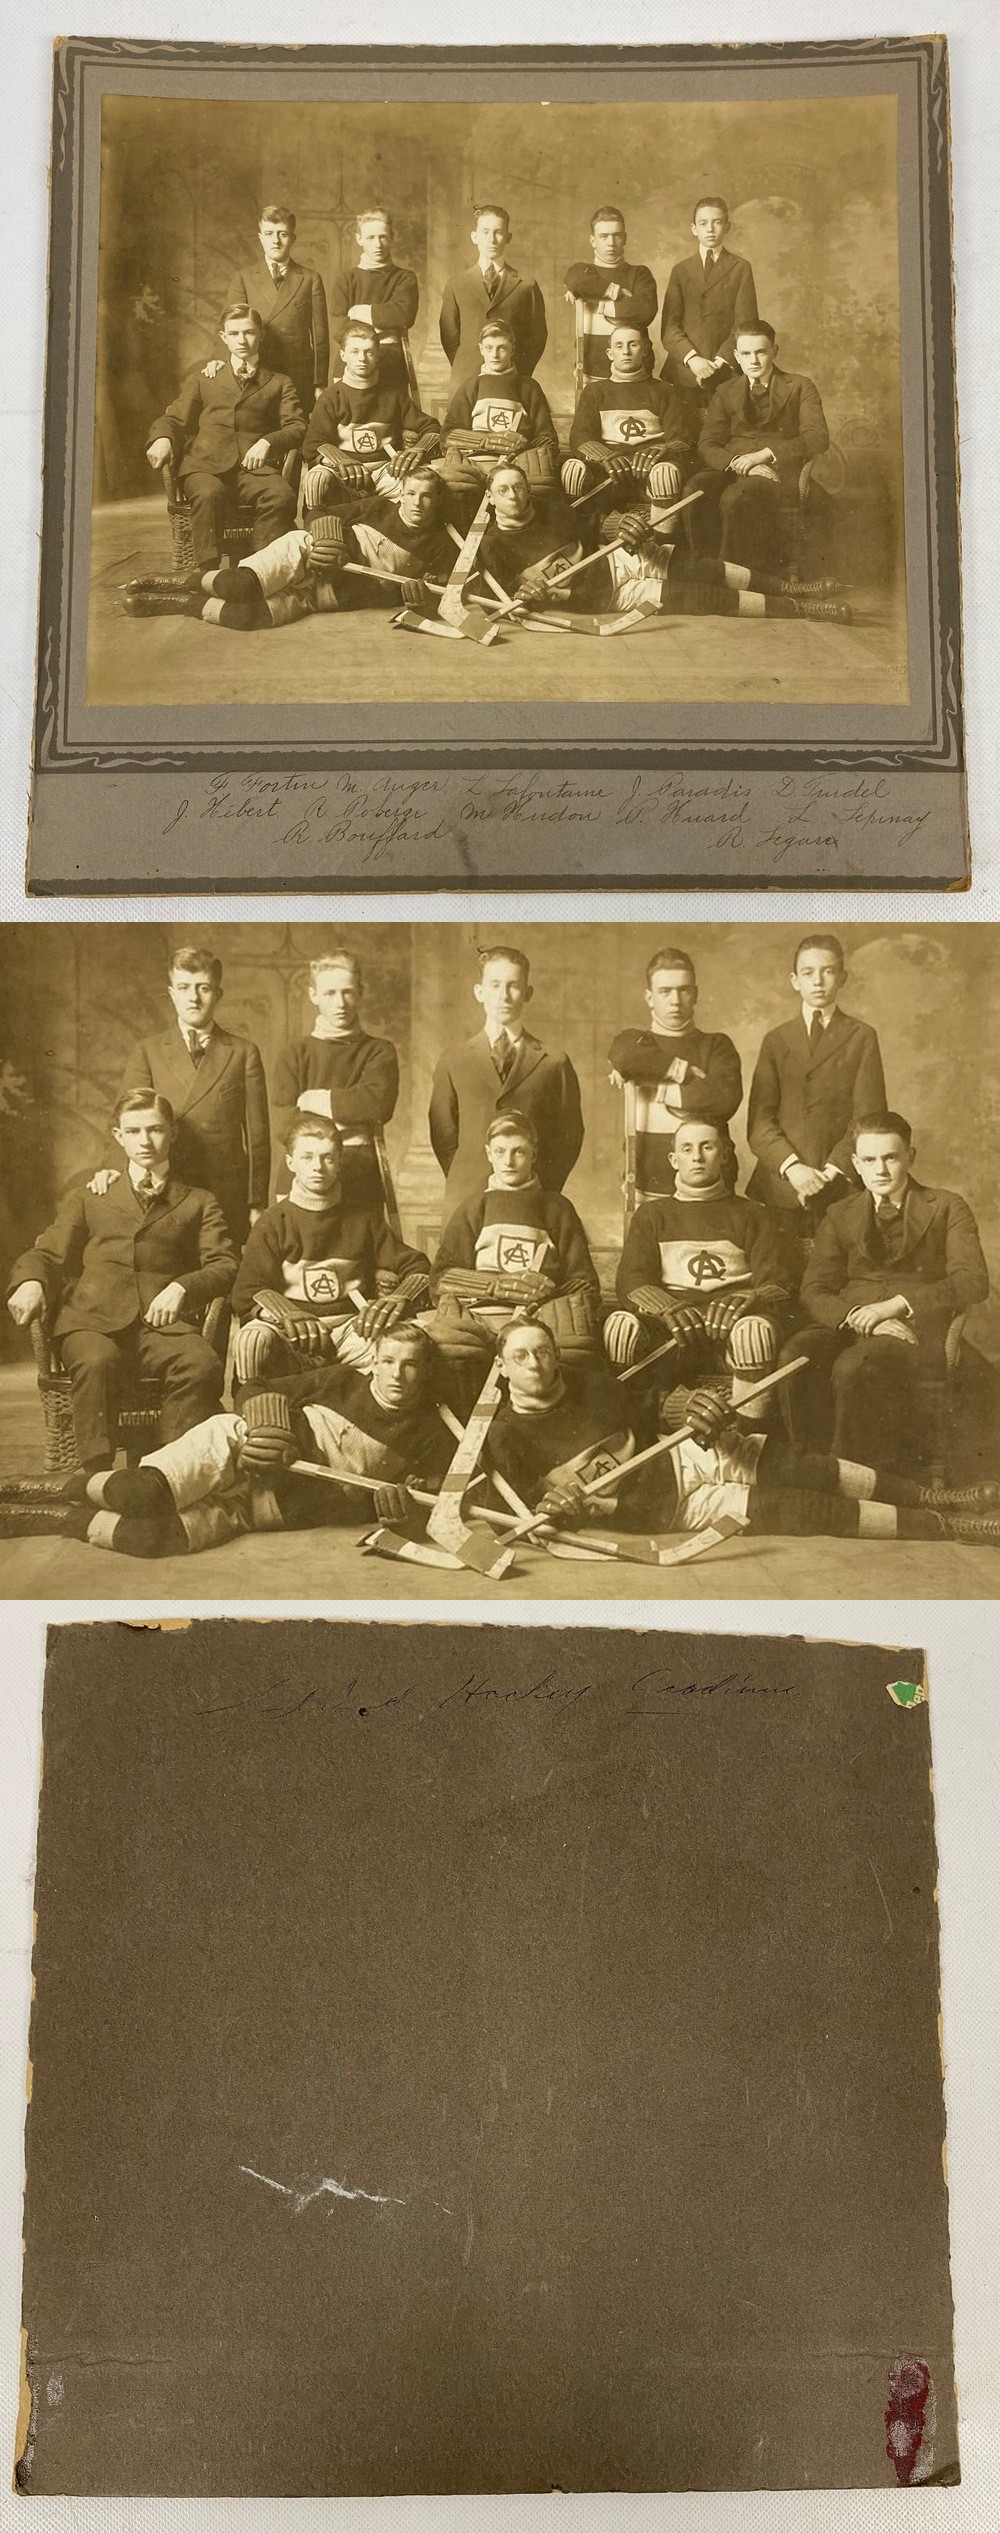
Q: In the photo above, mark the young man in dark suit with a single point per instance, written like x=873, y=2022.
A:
x=607, y=291
x=813, y=1076
x=382, y=294
x=757, y=434
x=215, y=1083
x=491, y=288
x=709, y=295
x=503, y=1067
x=292, y=304
x=891, y=1269
x=125, y=1277
x=228, y=435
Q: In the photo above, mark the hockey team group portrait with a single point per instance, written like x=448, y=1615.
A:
x=566, y=1260
x=494, y=402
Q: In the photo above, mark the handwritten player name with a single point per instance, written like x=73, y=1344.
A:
x=469, y=825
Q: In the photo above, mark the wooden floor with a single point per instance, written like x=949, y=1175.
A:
x=328, y=1565
x=324, y=659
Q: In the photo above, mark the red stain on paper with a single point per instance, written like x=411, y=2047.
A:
x=906, y=2418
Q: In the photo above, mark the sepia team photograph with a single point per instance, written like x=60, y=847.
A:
x=372, y=375
x=581, y=1260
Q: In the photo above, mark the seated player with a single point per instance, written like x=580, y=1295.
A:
x=516, y=1245
x=340, y=1071
x=708, y=297
x=228, y=435
x=398, y=537
x=683, y=1070
x=891, y=1269
x=502, y=413
x=558, y=1427
x=124, y=1278
x=756, y=436
x=233, y=1474
x=702, y=1266
x=491, y=287
x=320, y=1279
x=380, y=293
x=607, y=291
x=629, y=427
x=362, y=433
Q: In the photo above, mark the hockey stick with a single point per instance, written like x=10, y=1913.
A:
x=668, y=1442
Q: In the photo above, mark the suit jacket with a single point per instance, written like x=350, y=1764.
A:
x=795, y=429
x=212, y=422
x=104, y=1258
x=703, y=311
x=467, y=304
x=803, y=1100
x=223, y=1137
x=941, y=1270
x=296, y=337
x=467, y=1092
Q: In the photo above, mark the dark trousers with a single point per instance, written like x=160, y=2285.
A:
x=103, y=1369
x=863, y=1398
x=260, y=493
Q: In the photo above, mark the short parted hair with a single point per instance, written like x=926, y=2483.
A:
x=512, y=1121
x=375, y=211
x=711, y=202
x=496, y=325
x=142, y=1095
x=820, y=941
x=608, y=211
x=495, y=210
x=710, y=1125
x=279, y=214
x=242, y=308
x=524, y=1319
x=408, y=1331
x=305, y=1125
x=426, y=475
x=883, y=1121
x=357, y=325
x=337, y=958
x=191, y=961
x=758, y=325
x=503, y=950
x=668, y=957
x=507, y=466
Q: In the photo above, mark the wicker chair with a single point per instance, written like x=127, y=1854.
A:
x=139, y=1414
x=237, y=538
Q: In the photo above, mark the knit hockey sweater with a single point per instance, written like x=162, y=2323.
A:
x=362, y=420
x=320, y=1260
x=516, y=1231
x=622, y=412
x=698, y=1249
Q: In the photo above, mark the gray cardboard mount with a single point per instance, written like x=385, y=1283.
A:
x=385, y=795
x=483, y=2059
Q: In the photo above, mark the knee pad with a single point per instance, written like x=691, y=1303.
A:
x=622, y=1339
x=751, y=1344
x=664, y=480
x=574, y=473
x=255, y=1349
x=139, y=1493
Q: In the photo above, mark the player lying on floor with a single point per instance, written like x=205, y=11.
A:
x=233, y=1474
x=636, y=564
x=399, y=537
x=703, y=1266
x=517, y=1245
x=319, y=1279
x=562, y=1424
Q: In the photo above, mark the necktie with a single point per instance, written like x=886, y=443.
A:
x=503, y=1054
x=277, y=272
x=814, y=1027
x=195, y=1045
x=886, y=1210
x=491, y=278
x=146, y=1188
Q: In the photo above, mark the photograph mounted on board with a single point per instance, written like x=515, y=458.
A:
x=416, y=1261
x=633, y=375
